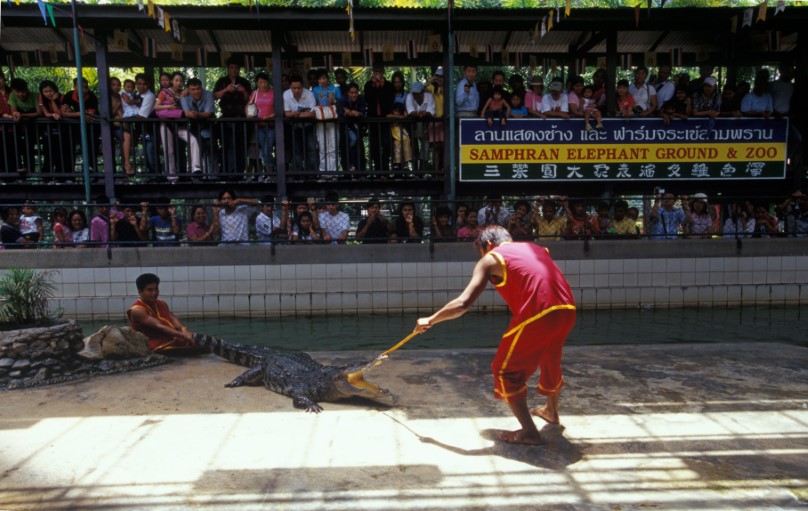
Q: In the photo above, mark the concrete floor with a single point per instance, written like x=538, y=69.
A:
x=645, y=427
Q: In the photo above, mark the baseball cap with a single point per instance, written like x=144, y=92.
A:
x=710, y=81
x=536, y=80
x=556, y=86
x=439, y=71
x=417, y=87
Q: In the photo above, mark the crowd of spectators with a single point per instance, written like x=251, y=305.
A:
x=233, y=220
x=335, y=127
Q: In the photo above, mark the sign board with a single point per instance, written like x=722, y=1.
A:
x=626, y=150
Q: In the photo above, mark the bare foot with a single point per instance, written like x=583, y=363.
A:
x=545, y=415
x=520, y=436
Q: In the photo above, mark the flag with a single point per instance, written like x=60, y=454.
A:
x=625, y=60
x=676, y=57
x=149, y=47
x=49, y=8
x=781, y=7
x=535, y=34
x=176, y=51
x=544, y=26
x=775, y=37
x=435, y=45
x=140, y=5
x=762, y=11
x=161, y=20
x=368, y=57
x=167, y=22
x=328, y=61
x=249, y=63
x=151, y=8
x=412, y=50
x=42, y=10
x=201, y=57
x=120, y=40
x=351, y=29
x=550, y=21
x=176, y=32
x=747, y=18
x=489, y=54
x=568, y=7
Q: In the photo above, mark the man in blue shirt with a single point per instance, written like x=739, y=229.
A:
x=666, y=219
x=198, y=106
x=467, y=98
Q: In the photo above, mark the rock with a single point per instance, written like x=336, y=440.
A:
x=6, y=362
x=115, y=342
x=21, y=364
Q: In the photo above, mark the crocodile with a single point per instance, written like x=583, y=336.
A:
x=296, y=374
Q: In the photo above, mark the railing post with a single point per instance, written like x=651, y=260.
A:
x=280, y=139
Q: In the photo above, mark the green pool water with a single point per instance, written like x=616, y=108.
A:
x=483, y=330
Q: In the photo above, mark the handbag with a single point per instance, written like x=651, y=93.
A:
x=173, y=113
x=252, y=108
x=323, y=113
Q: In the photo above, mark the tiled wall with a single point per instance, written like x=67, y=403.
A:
x=273, y=289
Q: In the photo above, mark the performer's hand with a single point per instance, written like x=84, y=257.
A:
x=422, y=325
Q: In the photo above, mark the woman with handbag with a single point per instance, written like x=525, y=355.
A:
x=168, y=107
x=261, y=106
x=326, y=96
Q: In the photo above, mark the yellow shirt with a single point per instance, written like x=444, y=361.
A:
x=438, y=97
x=550, y=230
x=625, y=227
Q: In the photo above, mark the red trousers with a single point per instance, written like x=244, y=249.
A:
x=530, y=344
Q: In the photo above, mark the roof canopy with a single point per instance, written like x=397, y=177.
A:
x=308, y=32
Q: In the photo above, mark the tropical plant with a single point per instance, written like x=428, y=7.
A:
x=24, y=296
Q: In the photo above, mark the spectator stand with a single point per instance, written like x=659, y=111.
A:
x=269, y=40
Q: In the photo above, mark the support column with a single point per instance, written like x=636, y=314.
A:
x=611, y=65
x=107, y=144
x=277, y=84
x=450, y=146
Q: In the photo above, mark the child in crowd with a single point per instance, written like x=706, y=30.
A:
x=579, y=226
x=304, y=229
x=402, y=144
x=62, y=236
x=590, y=108
x=601, y=224
x=31, y=224
x=496, y=107
x=131, y=102
x=518, y=110
x=678, y=107
x=622, y=224
x=470, y=229
x=442, y=230
x=267, y=224
x=625, y=102
x=634, y=214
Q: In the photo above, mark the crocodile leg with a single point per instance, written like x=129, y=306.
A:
x=250, y=377
x=307, y=404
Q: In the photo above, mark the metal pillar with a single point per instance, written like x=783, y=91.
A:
x=107, y=144
x=611, y=65
x=450, y=146
x=280, y=145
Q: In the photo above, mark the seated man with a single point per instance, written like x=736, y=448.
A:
x=151, y=317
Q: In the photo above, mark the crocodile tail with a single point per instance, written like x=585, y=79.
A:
x=236, y=353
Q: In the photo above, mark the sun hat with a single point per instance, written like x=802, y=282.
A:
x=700, y=196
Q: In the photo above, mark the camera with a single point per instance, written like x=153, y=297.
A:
x=659, y=190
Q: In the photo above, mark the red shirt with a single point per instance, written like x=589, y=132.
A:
x=532, y=284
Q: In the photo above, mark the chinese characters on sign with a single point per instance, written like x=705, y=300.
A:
x=635, y=149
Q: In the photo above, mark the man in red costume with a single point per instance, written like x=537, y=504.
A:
x=152, y=317
x=543, y=309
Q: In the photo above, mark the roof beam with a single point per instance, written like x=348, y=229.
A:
x=659, y=40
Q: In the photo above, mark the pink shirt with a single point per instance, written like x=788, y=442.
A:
x=265, y=101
